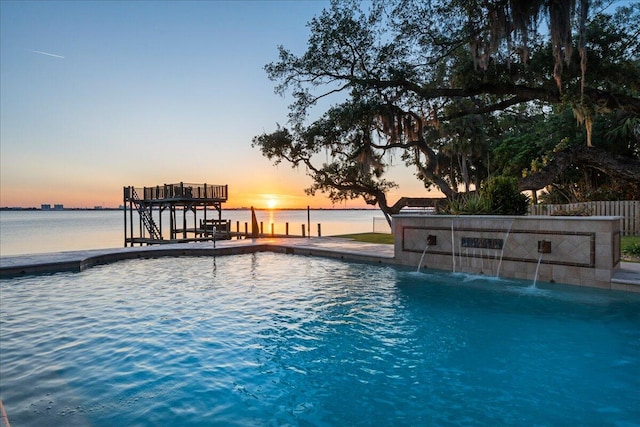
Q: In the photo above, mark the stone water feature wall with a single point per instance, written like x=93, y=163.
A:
x=575, y=250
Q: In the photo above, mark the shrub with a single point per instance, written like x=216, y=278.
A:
x=633, y=249
x=469, y=204
x=503, y=196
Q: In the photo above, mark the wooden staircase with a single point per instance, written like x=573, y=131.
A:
x=145, y=214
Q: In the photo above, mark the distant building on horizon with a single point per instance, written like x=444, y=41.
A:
x=47, y=207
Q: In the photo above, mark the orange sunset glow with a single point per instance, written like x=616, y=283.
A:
x=279, y=189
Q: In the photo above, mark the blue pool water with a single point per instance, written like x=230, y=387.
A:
x=276, y=340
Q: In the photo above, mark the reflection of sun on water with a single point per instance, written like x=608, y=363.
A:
x=272, y=203
x=271, y=219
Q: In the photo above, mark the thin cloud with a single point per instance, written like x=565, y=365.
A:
x=46, y=53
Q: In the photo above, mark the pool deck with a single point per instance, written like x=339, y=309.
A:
x=626, y=278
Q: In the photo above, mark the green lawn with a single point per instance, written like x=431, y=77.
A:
x=627, y=243
x=370, y=237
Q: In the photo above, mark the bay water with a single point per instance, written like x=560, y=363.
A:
x=41, y=231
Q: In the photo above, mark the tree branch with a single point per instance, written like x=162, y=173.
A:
x=621, y=167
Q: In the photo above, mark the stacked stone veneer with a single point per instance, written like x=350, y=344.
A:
x=583, y=250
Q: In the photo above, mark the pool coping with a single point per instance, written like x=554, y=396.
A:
x=627, y=278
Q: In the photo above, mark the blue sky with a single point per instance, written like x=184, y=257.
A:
x=98, y=95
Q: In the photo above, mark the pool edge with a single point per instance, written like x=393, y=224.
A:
x=627, y=279
x=48, y=263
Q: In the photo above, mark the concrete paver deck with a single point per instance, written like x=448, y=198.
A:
x=627, y=277
x=629, y=273
x=79, y=260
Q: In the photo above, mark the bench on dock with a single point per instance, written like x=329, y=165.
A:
x=221, y=226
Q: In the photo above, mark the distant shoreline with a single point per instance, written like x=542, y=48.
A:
x=6, y=208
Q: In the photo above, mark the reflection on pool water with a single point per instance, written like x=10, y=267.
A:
x=271, y=339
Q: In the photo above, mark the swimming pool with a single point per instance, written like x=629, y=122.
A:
x=273, y=339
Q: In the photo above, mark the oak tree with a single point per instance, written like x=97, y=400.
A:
x=433, y=84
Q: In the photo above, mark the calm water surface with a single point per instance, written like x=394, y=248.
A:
x=24, y=232
x=281, y=340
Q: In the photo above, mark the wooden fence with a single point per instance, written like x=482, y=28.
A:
x=628, y=209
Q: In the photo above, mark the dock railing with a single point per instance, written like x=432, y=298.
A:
x=183, y=191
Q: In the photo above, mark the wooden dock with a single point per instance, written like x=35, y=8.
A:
x=144, y=208
x=187, y=198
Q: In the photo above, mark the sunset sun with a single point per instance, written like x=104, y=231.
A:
x=272, y=202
